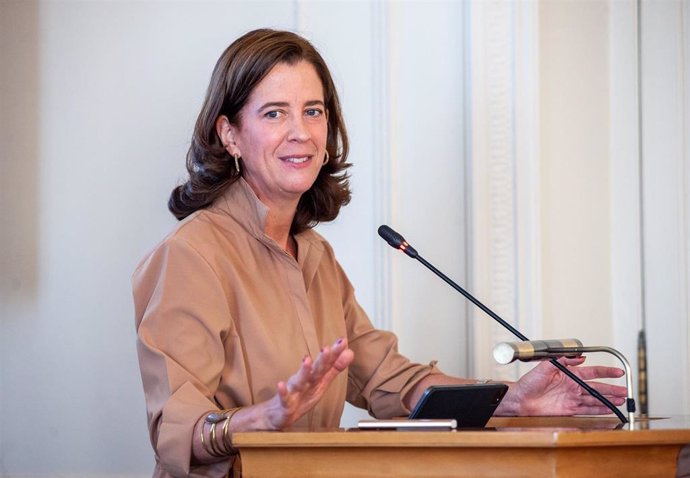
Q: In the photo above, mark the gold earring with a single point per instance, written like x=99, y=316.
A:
x=325, y=159
x=237, y=163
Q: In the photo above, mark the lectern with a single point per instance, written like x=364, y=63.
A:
x=509, y=447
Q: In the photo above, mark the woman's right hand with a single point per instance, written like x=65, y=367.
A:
x=301, y=392
x=295, y=397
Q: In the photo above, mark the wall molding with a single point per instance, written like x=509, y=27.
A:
x=504, y=176
x=626, y=243
x=685, y=14
x=528, y=177
x=383, y=170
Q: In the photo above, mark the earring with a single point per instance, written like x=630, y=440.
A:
x=325, y=159
x=237, y=163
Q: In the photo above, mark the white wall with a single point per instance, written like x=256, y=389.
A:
x=97, y=105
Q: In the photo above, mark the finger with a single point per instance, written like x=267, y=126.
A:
x=283, y=392
x=323, y=362
x=572, y=361
x=328, y=356
x=589, y=400
x=609, y=389
x=298, y=381
x=593, y=410
x=339, y=345
x=342, y=355
x=338, y=365
x=590, y=373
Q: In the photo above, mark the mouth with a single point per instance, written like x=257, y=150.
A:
x=296, y=159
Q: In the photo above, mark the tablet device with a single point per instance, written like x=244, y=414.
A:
x=470, y=405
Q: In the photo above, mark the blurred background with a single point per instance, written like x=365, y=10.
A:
x=536, y=151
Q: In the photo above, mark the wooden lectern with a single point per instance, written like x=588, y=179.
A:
x=508, y=447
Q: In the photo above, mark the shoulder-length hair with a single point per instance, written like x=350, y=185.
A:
x=239, y=69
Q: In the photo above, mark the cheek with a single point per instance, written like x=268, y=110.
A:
x=254, y=141
x=320, y=133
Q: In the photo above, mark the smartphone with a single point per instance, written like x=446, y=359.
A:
x=470, y=405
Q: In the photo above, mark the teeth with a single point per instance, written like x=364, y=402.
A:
x=297, y=160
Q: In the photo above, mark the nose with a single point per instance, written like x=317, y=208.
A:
x=298, y=130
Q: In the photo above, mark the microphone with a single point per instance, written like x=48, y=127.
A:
x=526, y=351
x=397, y=241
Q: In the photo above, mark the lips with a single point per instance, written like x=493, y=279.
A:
x=295, y=159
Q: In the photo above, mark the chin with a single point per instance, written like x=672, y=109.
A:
x=300, y=187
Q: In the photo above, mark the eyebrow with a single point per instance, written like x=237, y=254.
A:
x=284, y=104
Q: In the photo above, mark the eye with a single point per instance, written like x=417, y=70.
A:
x=273, y=114
x=314, y=112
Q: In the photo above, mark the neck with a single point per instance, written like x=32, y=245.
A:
x=277, y=227
x=278, y=221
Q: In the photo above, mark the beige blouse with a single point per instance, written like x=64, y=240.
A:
x=223, y=314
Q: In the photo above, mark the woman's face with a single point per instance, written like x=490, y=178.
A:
x=282, y=134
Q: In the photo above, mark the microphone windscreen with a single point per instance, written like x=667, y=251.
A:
x=390, y=236
x=505, y=353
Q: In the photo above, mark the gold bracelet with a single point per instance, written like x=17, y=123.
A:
x=203, y=441
x=212, y=447
x=214, y=443
x=229, y=449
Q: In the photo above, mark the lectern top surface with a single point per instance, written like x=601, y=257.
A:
x=518, y=432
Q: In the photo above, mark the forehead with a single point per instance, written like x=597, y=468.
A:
x=289, y=83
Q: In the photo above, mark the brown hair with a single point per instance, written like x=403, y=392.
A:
x=239, y=69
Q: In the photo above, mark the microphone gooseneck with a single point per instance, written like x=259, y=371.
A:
x=397, y=241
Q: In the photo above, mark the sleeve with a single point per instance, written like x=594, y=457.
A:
x=379, y=376
x=182, y=318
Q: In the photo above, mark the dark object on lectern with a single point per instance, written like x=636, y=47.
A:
x=470, y=405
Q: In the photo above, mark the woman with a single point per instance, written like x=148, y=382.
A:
x=245, y=320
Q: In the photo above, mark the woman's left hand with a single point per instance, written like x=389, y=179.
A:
x=545, y=390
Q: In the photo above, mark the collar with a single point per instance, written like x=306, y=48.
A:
x=241, y=203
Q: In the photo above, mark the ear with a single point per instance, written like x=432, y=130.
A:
x=227, y=132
